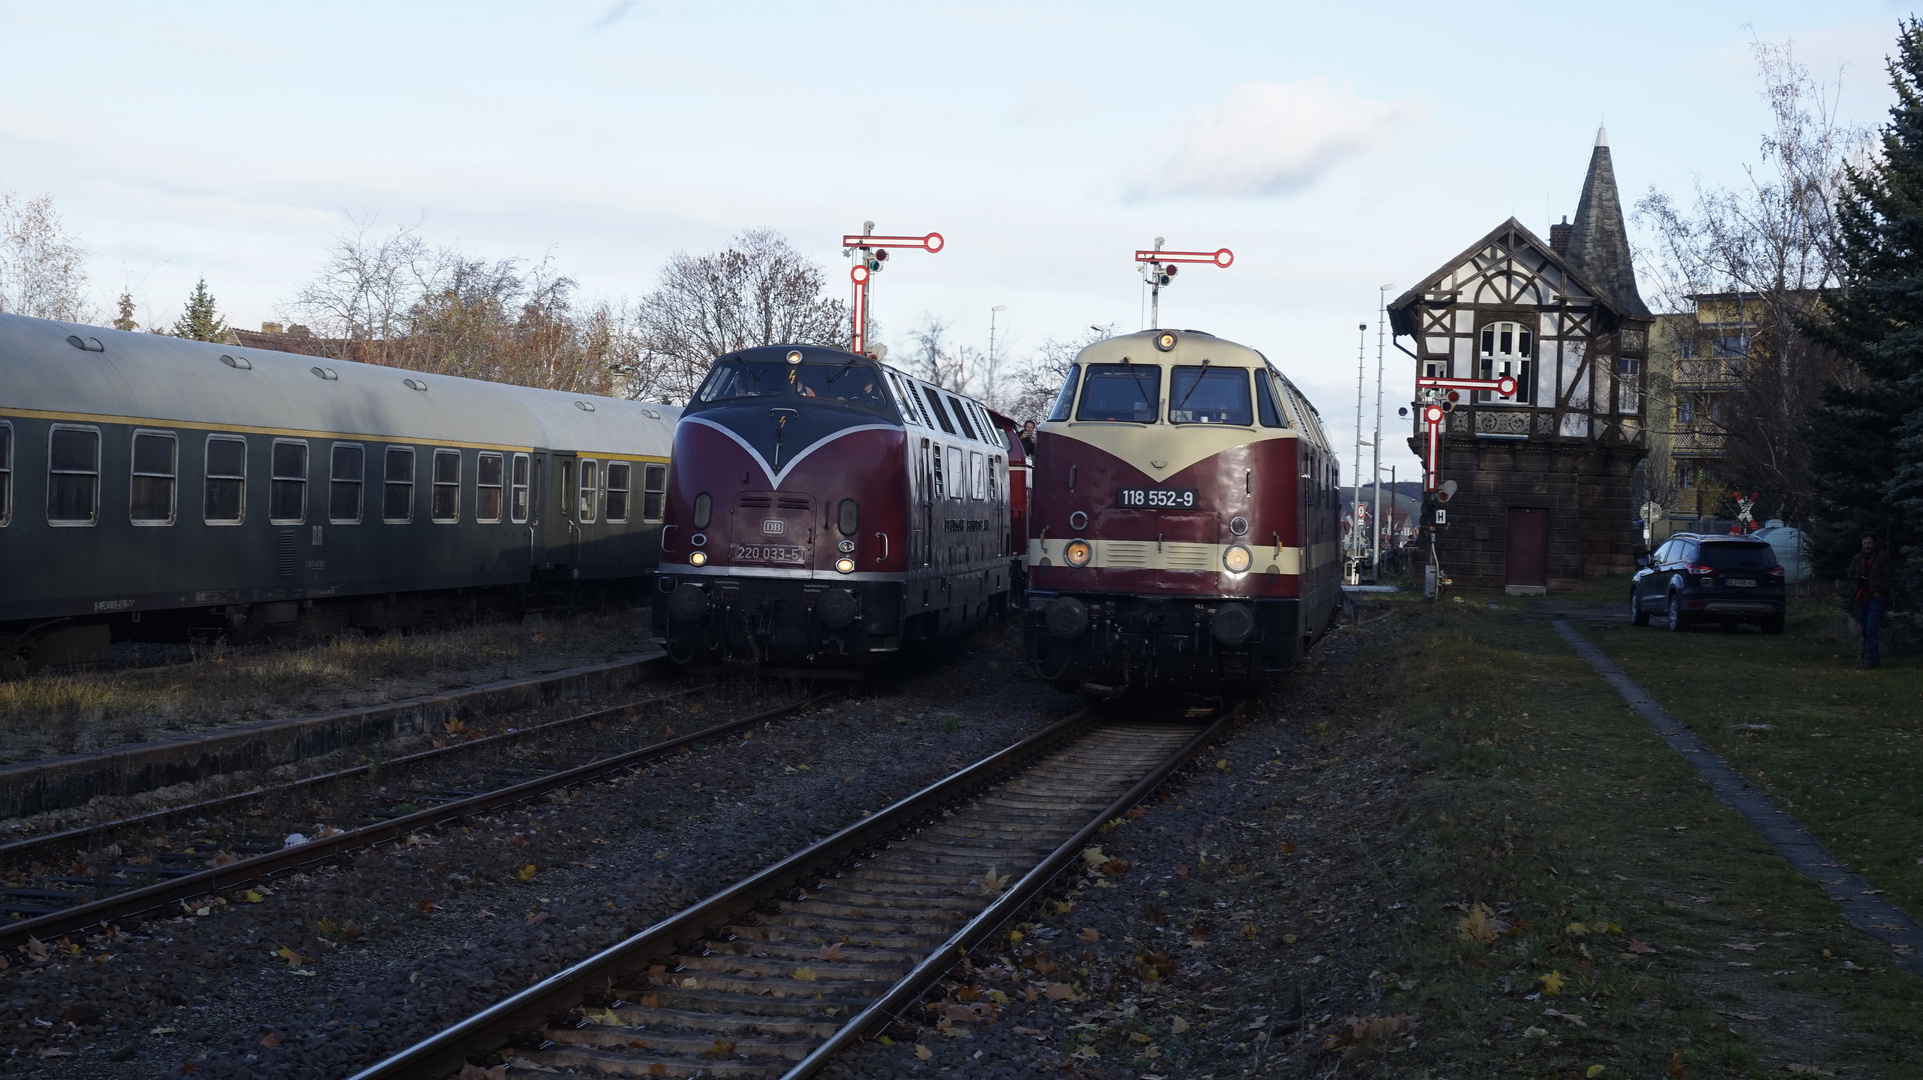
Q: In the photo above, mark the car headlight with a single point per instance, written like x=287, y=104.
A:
x=699, y=558
x=1077, y=553
x=846, y=566
x=1236, y=559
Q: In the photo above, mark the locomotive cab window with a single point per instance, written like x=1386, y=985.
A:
x=346, y=478
x=1507, y=349
x=287, y=490
x=445, y=498
x=225, y=499
x=620, y=490
x=1267, y=410
x=6, y=473
x=853, y=383
x=1120, y=392
x=744, y=379
x=397, y=486
x=1209, y=395
x=590, y=489
x=487, y=487
x=518, y=489
x=73, y=475
x=151, y=495
x=1066, y=399
x=654, y=491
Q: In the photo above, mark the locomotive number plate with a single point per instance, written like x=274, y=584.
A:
x=775, y=553
x=1157, y=499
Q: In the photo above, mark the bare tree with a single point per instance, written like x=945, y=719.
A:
x=42, y=269
x=1035, y=384
x=1766, y=251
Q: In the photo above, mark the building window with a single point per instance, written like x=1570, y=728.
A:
x=654, y=494
x=225, y=499
x=518, y=489
x=287, y=496
x=1731, y=345
x=487, y=487
x=446, y=494
x=156, y=462
x=397, y=486
x=73, y=476
x=620, y=484
x=590, y=487
x=6, y=473
x=1685, y=476
x=1507, y=349
x=1685, y=411
x=346, y=475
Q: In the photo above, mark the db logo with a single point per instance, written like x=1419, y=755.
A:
x=774, y=527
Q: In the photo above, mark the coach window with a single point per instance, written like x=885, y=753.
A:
x=1206, y=395
x=1066, y=399
x=73, y=476
x=225, y=498
x=6, y=472
x=487, y=488
x=518, y=489
x=620, y=486
x=590, y=489
x=287, y=494
x=156, y=463
x=1120, y=392
x=397, y=486
x=654, y=494
x=345, y=477
x=446, y=494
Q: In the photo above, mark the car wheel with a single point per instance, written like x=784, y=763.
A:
x=1677, y=620
x=1773, y=624
x=1636, y=613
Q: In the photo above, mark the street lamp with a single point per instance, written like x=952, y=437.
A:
x=992, y=312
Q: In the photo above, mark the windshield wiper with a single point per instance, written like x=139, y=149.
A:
x=843, y=369
x=1193, y=385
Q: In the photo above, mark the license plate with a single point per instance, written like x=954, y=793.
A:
x=1740, y=583
x=765, y=553
x=1156, y=499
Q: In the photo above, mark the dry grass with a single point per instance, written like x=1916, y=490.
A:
x=58, y=713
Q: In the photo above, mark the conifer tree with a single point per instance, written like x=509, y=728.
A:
x=200, y=321
x=1865, y=436
x=124, y=313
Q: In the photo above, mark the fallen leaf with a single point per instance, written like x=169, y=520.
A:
x=1639, y=946
x=270, y=1039
x=1178, y=1025
x=805, y=974
x=1115, y=866
x=1058, y=991
x=55, y=1052
x=1551, y=983
x=1135, y=813
x=525, y=873
x=1094, y=857
x=293, y=958
x=1365, y=1033
x=1593, y=1071
x=1222, y=765
x=923, y=1052
x=164, y=1031
x=37, y=950
x=1091, y=935
x=252, y=896
x=993, y=883
x=722, y=1045
x=1567, y=1018
x=831, y=952
x=1481, y=925
x=471, y=1071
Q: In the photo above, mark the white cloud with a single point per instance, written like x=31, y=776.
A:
x=1268, y=138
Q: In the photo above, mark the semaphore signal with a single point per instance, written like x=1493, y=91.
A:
x=1158, y=269
x=869, y=253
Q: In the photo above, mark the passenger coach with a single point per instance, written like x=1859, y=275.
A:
x=1185, y=520
x=825, y=510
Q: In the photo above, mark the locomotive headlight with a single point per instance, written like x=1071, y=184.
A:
x=1078, y=552
x=1236, y=559
x=699, y=558
x=846, y=566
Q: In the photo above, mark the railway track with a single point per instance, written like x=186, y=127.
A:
x=778, y=973
x=57, y=900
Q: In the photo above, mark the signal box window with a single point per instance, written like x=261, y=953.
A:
x=487, y=488
x=397, y=486
x=6, y=473
x=1120, y=392
x=654, y=496
x=590, y=487
x=151, y=495
x=1201, y=395
x=287, y=495
x=1507, y=349
x=518, y=489
x=742, y=379
x=446, y=494
x=346, y=476
x=620, y=485
x=225, y=499
x=73, y=476
x=1066, y=399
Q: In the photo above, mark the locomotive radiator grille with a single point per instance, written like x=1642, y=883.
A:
x=1168, y=555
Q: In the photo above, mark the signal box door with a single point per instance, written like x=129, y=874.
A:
x=1527, y=559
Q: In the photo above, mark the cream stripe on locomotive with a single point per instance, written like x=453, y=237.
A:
x=1169, y=555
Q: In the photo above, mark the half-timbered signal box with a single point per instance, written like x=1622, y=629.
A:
x=1546, y=476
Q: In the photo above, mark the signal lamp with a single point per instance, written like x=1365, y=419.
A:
x=699, y=558
x=846, y=566
x=1237, y=559
x=1077, y=553
x=1169, y=272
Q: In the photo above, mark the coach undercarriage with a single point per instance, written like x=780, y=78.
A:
x=1107, y=643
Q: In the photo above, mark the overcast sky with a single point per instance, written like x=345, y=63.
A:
x=1335, y=147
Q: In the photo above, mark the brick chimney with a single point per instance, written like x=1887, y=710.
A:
x=1559, y=237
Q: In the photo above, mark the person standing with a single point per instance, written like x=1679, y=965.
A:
x=1874, y=578
x=1028, y=439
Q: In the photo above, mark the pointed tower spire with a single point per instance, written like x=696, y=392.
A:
x=1598, y=242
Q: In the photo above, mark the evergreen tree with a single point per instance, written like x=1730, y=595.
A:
x=1865, y=436
x=124, y=313
x=200, y=321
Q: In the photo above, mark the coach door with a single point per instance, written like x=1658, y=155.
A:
x=562, y=537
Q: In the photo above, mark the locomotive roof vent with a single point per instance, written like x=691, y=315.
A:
x=326, y=374
x=238, y=363
x=414, y=384
x=584, y=406
x=650, y=414
x=91, y=344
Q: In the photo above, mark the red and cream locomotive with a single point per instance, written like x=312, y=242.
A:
x=1184, y=521
x=825, y=510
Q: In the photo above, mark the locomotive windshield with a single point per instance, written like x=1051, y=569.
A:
x=1206, y=395
x=854, y=383
x=1124, y=392
x=745, y=379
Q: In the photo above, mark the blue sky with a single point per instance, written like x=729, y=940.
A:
x=1335, y=148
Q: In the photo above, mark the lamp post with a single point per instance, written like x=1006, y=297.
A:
x=1381, y=325
x=992, y=312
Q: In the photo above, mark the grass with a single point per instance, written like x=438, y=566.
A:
x=1555, y=839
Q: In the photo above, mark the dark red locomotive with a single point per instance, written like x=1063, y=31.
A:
x=1185, y=520
x=825, y=510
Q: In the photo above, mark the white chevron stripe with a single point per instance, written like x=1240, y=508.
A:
x=775, y=478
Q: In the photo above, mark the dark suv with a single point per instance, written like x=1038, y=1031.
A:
x=1695, y=578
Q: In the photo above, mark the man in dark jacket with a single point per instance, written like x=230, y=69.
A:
x=1873, y=578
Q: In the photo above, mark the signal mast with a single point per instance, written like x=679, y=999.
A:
x=869, y=254
x=1158, y=269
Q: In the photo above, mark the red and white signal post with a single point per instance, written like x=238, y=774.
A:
x=869, y=252
x=1158, y=269
x=1432, y=390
